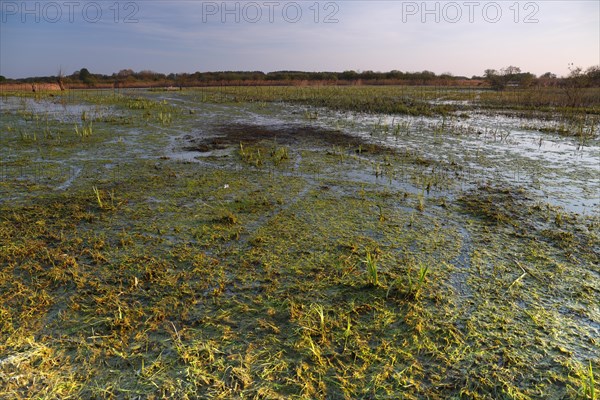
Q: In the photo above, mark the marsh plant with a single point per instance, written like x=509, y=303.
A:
x=98, y=197
x=320, y=313
x=416, y=285
x=279, y=154
x=86, y=130
x=26, y=136
x=103, y=203
x=381, y=214
x=251, y=155
x=165, y=118
x=588, y=389
x=421, y=201
x=370, y=262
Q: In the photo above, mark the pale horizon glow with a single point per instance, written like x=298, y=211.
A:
x=40, y=38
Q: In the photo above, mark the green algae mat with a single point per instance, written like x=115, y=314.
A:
x=236, y=244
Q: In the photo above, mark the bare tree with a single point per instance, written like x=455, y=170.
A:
x=59, y=79
x=574, y=84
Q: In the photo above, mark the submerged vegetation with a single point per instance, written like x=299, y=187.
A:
x=253, y=243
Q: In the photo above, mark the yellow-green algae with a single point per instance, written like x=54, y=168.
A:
x=244, y=274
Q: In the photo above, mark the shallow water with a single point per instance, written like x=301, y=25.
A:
x=486, y=149
x=331, y=200
x=55, y=109
x=557, y=169
x=493, y=149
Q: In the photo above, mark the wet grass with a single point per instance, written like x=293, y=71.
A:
x=298, y=263
x=545, y=103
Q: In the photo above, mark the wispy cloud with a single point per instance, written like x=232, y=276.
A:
x=379, y=35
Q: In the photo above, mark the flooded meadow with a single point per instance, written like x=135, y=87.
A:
x=297, y=243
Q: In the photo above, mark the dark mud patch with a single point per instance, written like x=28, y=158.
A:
x=207, y=145
x=511, y=207
x=497, y=204
x=233, y=134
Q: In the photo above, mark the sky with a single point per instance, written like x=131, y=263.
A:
x=464, y=38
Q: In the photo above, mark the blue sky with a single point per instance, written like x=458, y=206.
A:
x=463, y=37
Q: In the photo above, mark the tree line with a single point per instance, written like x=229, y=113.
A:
x=501, y=79
x=512, y=76
x=129, y=76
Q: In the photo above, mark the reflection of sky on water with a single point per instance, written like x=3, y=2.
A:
x=492, y=149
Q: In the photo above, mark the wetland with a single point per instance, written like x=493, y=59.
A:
x=298, y=242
